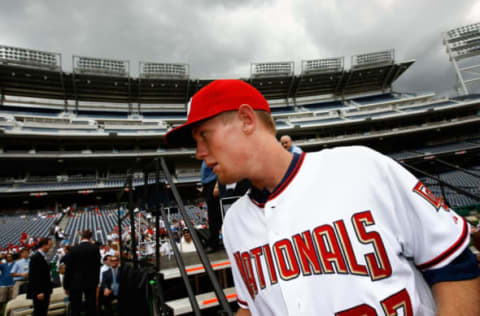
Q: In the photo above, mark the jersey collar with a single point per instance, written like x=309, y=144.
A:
x=260, y=197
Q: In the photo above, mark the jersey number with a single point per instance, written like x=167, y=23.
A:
x=390, y=306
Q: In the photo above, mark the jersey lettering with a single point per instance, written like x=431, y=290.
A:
x=306, y=251
x=353, y=265
x=329, y=249
x=256, y=253
x=271, y=268
x=326, y=249
x=378, y=264
x=424, y=192
x=286, y=260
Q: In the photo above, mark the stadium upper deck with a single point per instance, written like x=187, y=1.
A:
x=99, y=99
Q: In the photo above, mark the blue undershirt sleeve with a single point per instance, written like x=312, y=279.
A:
x=464, y=267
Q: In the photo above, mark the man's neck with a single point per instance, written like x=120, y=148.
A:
x=272, y=165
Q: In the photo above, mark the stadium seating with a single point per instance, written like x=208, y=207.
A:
x=375, y=99
x=33, y=115
x=11, y=227
x=101, y=223
x=427, y=106
x=460, y=180
x=357, y=116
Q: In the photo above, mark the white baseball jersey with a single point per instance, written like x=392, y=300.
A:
x=346, y=232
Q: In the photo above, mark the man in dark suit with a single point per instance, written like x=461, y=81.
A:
x=110, y=285
x=210, y=194
x=82, y=274
x=39, y=285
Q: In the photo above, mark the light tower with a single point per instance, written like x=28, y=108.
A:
x=464, y=43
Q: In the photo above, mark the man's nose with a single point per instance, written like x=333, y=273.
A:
x=201, y=151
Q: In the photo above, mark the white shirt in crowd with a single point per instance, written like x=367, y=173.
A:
x=187, y=246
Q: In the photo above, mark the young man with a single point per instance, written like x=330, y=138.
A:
x=109, y=285
x=58, y=278
x=343, y=231
x=210, y=194
x=19, y=272
x=40, y=286
x=82, y=274
x=6, y=279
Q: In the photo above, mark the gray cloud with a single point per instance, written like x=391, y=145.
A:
x=220, y=38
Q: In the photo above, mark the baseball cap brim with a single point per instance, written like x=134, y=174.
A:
x=181, y=135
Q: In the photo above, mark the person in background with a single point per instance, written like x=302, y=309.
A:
x=6, y=280
x=19, y=272
x=287, y=143
x=166, y=248
x=105, y=266
x=82, y=274
x=186, y=243
x=40, y=286
x=109, y=286
x=58, y=279
x=211, y=195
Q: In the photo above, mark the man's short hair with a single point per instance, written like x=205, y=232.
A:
x=264, y=117
x=43, y=241
x=267, y=120
x=86, y=234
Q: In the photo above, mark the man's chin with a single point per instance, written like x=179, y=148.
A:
x=225, y=180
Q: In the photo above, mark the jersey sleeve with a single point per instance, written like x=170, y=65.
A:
x=429, y=232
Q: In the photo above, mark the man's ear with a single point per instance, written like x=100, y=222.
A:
x=247, y=117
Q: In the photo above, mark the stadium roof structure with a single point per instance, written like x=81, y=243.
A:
x=160, y=85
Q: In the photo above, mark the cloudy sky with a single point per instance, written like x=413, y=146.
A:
x=221, y=38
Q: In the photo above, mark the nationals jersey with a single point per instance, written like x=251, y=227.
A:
x=347, y=232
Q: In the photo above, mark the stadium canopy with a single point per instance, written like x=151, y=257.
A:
x=167, y=87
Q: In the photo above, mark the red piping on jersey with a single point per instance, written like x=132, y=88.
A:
x=242, y=302
x=260, y=197
x=261, y=205
x=447, y=253
x=287, y=181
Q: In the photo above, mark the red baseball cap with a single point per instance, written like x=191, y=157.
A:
x=217, y=97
